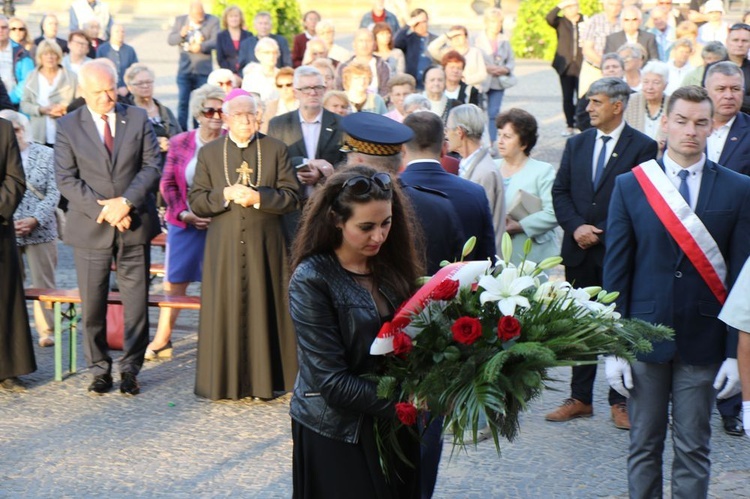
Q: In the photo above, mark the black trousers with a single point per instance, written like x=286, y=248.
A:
x=569, y=87
x=582, y=383
x=93, y=269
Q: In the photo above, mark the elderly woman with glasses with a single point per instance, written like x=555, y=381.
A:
x=646, y=108
x=354, y=260
x=186, y=232
x=48, y=91
x=139, y=79
x=633, y=54
x=34, y=219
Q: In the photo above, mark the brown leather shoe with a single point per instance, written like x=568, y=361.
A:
x=570, y=409
x=620, y=416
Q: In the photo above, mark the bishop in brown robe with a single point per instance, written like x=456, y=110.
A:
x=244, y=182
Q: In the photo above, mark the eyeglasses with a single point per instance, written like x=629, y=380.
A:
x=212, y=112
x=18, y=28
x=283, y=85
x=361, y=185
x=225, y=83
x=737, y=26
x=312, y=90
x=634, y=19
x=145, y=83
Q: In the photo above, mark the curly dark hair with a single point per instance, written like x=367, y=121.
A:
x=397, y=263
x=523, y=123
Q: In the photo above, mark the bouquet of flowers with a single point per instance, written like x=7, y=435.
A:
x=478, y=339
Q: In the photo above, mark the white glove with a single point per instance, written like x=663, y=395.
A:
x=728, y=377
x=746, y=416
x=619, y=375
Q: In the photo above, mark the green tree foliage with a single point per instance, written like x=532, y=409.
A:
x=532, y=36
x=285, y=14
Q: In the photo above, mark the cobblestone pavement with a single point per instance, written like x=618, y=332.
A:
x=57, y=441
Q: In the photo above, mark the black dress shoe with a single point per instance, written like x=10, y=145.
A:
x=102, y=384
x=732, y=426
x=129, y=384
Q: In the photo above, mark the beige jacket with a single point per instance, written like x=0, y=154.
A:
x=63, y=93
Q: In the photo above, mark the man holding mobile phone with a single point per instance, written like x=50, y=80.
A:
x=313, y=137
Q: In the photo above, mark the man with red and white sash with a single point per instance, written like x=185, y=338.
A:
x=678, y=235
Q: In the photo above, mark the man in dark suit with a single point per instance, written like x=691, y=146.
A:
x=729, y=146
x=195, y=34
x=632, y=33
x=678, y=277
x=263, y=26
x=422, y=158
x=374, y=140
x=313, y=137
x=49, y=32
x=580, y=195
x=107, y=167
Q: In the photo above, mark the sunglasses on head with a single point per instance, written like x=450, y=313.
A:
x=212, y=112
x=737, y=26
x=361, y=185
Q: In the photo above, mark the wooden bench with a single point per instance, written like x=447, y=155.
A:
x=64, y=302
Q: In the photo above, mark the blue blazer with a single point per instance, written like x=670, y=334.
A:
x=574, y=196
x=658, y=283
x=736, y=152
x=226, y=55
x=469, y=202
x=247, y=51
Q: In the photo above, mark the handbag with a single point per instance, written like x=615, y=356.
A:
x=507, y=81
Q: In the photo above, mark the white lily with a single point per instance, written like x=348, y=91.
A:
x=506, y=289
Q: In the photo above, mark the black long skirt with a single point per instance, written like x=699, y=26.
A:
x=332, y=469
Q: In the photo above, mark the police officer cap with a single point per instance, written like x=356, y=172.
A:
x=374, y=134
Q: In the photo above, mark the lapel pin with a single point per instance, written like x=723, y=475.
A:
x=329, y=130
x=733, y=139
x=614, y=154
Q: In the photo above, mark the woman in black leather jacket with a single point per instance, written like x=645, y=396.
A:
x=354, y=261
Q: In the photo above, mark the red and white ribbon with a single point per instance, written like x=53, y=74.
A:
x=684, y=226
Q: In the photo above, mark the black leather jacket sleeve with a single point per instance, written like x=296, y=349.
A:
x=333, y=342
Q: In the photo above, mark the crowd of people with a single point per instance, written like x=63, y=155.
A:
x=307, y=186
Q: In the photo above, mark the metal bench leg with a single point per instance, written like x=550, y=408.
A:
x=58, y=342
x=73, y=338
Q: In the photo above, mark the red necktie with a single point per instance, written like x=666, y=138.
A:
x=109, y=142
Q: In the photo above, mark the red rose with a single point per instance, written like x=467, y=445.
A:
x=466, y=330
x=508, y=328
x=406, y=413
x=402, y=344
x=446, y=290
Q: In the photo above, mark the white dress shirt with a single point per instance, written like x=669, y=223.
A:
x=615, y=134
x=693, y=180
x=311, y=133
x=717, y=139
x=99, y=122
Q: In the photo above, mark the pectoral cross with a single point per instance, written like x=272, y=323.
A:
x=245, y=171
